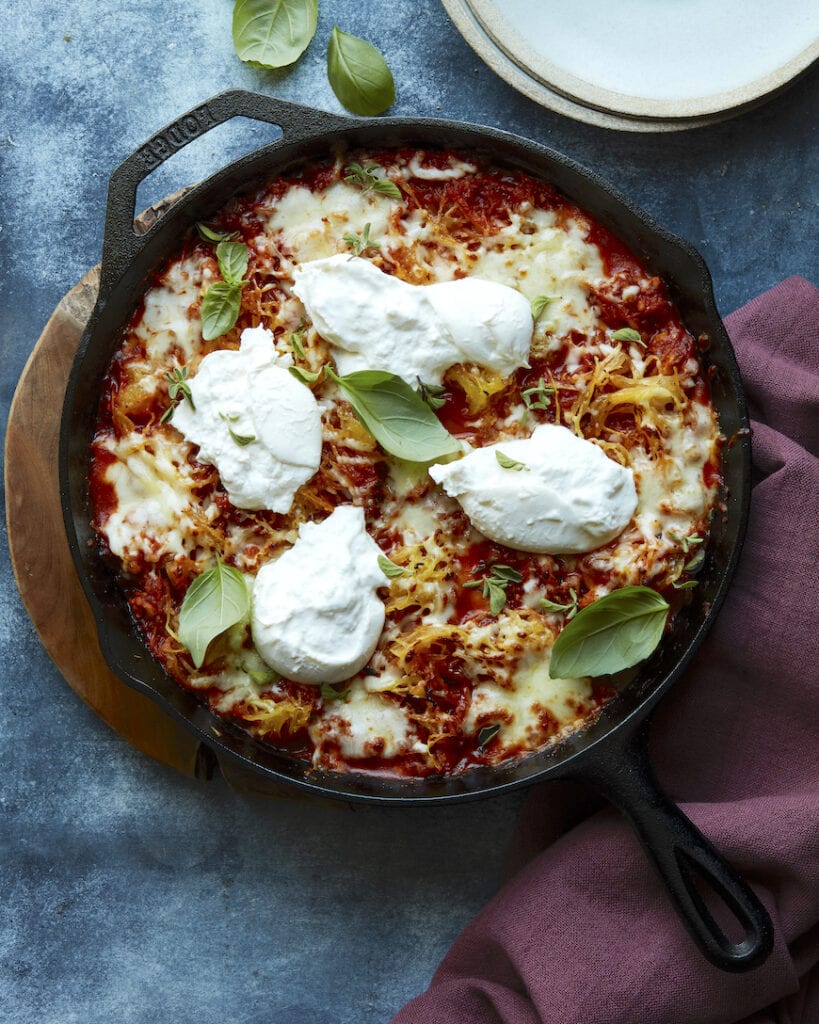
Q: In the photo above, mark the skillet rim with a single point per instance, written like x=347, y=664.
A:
x=691, y=281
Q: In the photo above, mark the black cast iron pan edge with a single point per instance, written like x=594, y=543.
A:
x=611, y=755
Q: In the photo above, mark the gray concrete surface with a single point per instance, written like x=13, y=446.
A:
x=130, y=894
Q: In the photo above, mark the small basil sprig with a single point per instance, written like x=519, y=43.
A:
x=223, y=300
x=494, y=586
x=360, y=244
x=368, y=179
x=273, y=33
x=616, y=632
x=435, y=395
x=216, y=600
x=359, y=74
x=396, y=416
x=556, y=608
x=177, y=390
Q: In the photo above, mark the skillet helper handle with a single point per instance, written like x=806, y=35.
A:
x=121, y=243
x=683, y=857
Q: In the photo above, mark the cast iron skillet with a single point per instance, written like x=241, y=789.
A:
x=610, y=754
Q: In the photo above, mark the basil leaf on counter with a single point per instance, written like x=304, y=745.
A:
x=359, y=74
x=232, y=258
x=216, y=600
x=273, y=33
x=396, y=416
x=611, y=634
x=220, y=309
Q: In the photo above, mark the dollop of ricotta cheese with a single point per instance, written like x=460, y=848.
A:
x=259, y=426
x=562, y=496
x=377, y=322
x=316, y=615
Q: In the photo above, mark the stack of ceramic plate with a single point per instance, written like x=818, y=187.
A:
x=643, y=65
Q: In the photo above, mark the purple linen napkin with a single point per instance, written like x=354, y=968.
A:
x=584, y=931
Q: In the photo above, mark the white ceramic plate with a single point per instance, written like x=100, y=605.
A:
x=643, y=65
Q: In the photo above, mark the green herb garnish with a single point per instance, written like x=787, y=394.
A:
x=361, y=244
x=241, y=439
x=493, y=587
x=506, y=463
x=616, y=632
x=685, y=542
x=307, y=377
x=396, y=416
x=216, y=600
x=297, y=340
x=178, y=390
x=273, y=33
x=570, y=606
x=369, y=179
x=435, y=395
x=262, y=677
x=209, y=235
x=629, y=334
x=486, y=735
x=540, y=302
x=329, y=692
x=359, y=75
x=222, y=302
x=390, y=569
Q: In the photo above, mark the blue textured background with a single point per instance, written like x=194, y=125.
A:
x=128, y=893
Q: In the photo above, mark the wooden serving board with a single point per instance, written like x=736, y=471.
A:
x=41, y=558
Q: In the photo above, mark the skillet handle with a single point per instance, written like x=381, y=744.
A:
x=682, y=855
x=121, y=243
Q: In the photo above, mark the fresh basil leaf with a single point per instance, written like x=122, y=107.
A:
x=273, y=33
x=359, y=74
x=506, y=573
x=611, y=634
x=305, y=376
x=390, y=569
x=496, y=592
x=487, y=734
x=539, y=303
x=209, y=235
x=629, y=334
x=216, y=600
x=506, y=463
x=220, y=309
x=397, y=417
x=232, y=258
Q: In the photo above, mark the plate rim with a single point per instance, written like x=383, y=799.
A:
x=521, y=79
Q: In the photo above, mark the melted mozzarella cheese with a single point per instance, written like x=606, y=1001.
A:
x=155, y=513
x=169, y=324
x=364, y=724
